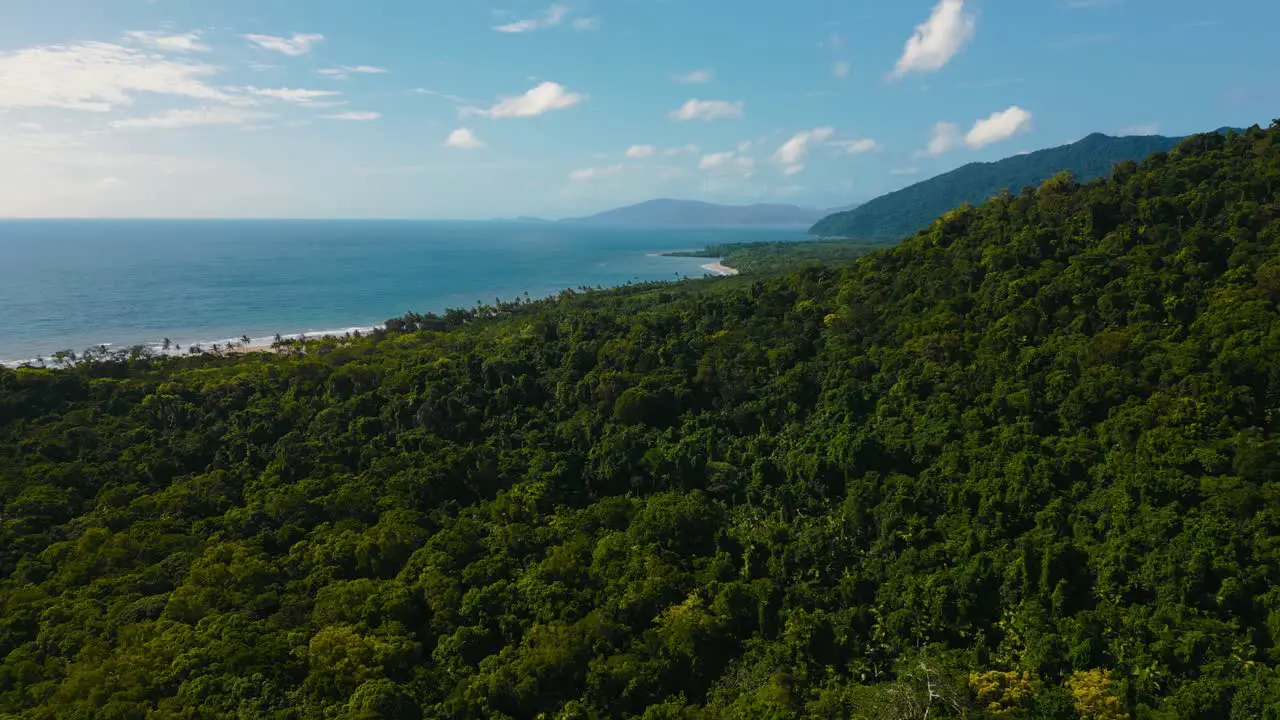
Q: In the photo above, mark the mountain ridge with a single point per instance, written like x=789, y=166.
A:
x=903, y=212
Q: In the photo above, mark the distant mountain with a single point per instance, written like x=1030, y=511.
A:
x=666, y=213
x=900, y=214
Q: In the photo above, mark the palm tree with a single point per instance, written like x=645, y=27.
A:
x=244, y=340
x=166, y=344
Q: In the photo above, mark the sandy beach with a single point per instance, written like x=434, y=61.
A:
x=719, y=269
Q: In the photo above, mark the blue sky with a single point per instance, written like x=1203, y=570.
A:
x=488, y=108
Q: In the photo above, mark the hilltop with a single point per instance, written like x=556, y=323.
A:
x=903, y=212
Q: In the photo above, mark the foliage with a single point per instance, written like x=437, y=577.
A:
x=1093, y=695
x=1037, y=439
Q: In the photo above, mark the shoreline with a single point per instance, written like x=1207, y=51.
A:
x=231, y=346
x=265, y=343
x=719, y=268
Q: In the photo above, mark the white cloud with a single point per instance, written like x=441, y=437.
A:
x=342, y=72
x=595, y=173
x=998, y=126
x=856, y=147
x=463, y=139
x=355, y=116
x=179, y=42
x=299, y=44
x=176, y=119
x=696, y=77
x=640, y=152
x=293, y=95
x=728, y=161
x=1147, y=129
x=542, y=99
x=840, y=70
x=586, y=23
x=707, y=110
x=794, y=150
x=946, y=137
x=715, y=160
x=455, y=99
x=946, y=32
x=96, y=76
x=682, y=150
x=551, y=17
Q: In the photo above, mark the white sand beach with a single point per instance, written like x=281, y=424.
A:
x=719, y=269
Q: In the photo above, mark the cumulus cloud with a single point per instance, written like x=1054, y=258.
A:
x=176, y=119
x=551, y=17
x=995, y=127
x=595, y=173
x=946, y=32
x=299, y=44
x=354, y=116
x=729, y=161
x=707, y=110
x=696, y=77
x=856, y=147
x=640, y=152
x=342, y=72
x=946, y=137
x=96, y=76
x=171, y=42
x=794, y=150
x=840, y=70
x=998, y=126
x=542, y=99
x=463, y=139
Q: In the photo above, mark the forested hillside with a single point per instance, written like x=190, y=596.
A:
x=903, y=212
x=1023, y=465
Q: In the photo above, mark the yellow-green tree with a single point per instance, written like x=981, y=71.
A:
x=1092, y=690
x=1005, y=694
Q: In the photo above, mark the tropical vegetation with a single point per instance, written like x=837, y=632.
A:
x=1025, y=464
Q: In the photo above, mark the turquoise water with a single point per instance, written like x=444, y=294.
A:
x=77, y=284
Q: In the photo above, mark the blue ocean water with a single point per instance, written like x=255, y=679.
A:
x=77, y=284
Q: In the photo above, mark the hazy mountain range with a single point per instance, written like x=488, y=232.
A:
x=666, y=212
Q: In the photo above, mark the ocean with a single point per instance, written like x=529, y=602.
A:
x=69, y=285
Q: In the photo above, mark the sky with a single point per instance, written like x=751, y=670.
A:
x=474, y=109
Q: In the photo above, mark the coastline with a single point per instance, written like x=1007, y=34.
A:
x=232, y=346
x=264, y=343
x=719, y=268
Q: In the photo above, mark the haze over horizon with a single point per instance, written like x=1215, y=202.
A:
x=176, y=108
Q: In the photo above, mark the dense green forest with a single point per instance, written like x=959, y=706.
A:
x=773, y=256
x=1025, y=464
x=903, y=212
